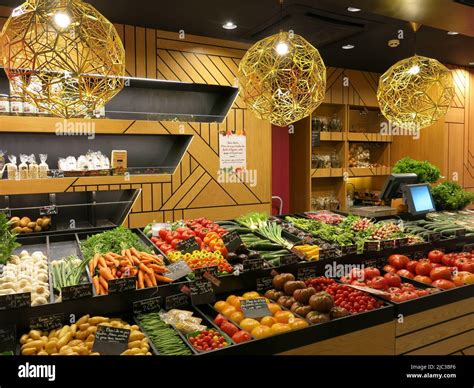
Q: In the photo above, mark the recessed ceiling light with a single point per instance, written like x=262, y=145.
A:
x=353, y=9
x=348, y=46
x=453, y=33
x=230, y=26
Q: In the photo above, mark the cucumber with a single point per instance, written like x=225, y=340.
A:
x=264, y=246
x=226, y=223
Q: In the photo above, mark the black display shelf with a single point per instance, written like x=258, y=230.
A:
x=163, y=100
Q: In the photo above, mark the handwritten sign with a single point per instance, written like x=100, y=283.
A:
x=110, y=341
x=77, y=292
x=264, y=284
x=253, y=264
x=188, y=246
x=123, y=284
x=178, y=270
x=47, y=322
x=15, y=301
x=7, y=338
x=176, y=301
x=306, y=273
x=232, y=241
x=147, y=305
x=202, y=292
x=289, y=259
x=255, y=308
x=371, y=245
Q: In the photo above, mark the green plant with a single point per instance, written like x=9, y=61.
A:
x=427, y=172
x=451, y=196
x=7, y=239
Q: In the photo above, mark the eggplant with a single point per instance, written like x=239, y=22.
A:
x=232, y=258
x=254, y=255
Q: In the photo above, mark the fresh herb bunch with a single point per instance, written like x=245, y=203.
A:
x=451, y=196
x=7, y=239
x=114, y=240
x=427, y=172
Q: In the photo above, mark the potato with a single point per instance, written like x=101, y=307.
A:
x=44, y=339
x=131, y=352
x=97, y=320
x=17, y=229
x=64, y=330
x=38, y=344
x=39, y=222
x=65, y=349
x=53, y=333
x=64, y=340
x=82, y=320
x=23, y=339
x=91, y=330
x=136, y=335
x=35, y=334
x=15, y=219
x=37, y=229
x=90, y=337
x=26, y=230
x=46, y=223
x=134, y=327
x=73, y=328
x=83, y=351
x=76, y=342
x=51, y=347
x=134, y=344
x=31, y=225
x=43, y=353
x=83, y=326
x=24, y=222
x=89, y=344
x=28, y=351
x=81, y=335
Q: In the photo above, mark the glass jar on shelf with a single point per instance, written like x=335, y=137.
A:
x=335, y=124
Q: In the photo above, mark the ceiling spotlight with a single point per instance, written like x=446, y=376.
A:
x=453, y=33
x=282, y=48
x=353, y=9
x=471, y=63
x=348, y=46
x=62, y=19
x=230, y=26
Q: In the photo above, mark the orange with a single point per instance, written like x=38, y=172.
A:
x=227, y=311
x=279, y=328
x=268, y=321
x=298, y=323
x=236, y=316
x=221, y=305
x=251, y=295
x=283, y=316
x=273, y=307
x=231, y=298
x=261, y=331
x=248, y=324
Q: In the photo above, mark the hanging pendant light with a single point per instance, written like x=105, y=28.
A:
x=415, y=92
x=282, y=78
x=63, y=56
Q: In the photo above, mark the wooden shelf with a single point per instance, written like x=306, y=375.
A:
x=368, y=137
x=368, y=171
x=327, y=172
x=332, y=136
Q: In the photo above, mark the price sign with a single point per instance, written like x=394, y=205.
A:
x=232, y=241
x=468, y=247
x=306, y=273
x=349, y=249
x=176, y=301
x=298, y=253
x=402, y=242
x=123, y=284
x=202, y=292
x=56, y=173
x=460, y=232
x=264, y=284
x=199, y=273
x=387, y=244
x=253, y=264
x=48, y=322
x=371, y=246
x=178, y=270
x=110, y=341
x=325, y=254
x=77, y=292
x=289, y=259
x=435, y=236
x=315, y=138
x=7, y=338
x=147, y=305
x=15, y=301
x=48, y=210
x=188, y=246
x=255, y=308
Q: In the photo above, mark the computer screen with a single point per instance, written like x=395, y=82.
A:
x=419, y=198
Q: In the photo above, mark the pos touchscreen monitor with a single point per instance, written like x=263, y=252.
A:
x=419, y=198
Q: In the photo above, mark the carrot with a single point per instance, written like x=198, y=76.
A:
x=102, y=262
x=114, y=255
x=140, y=279
x=144, y=268
x=163, y=279
x=133, y=271
x=158, y=268
x=153, y=279
x=134, y=252
x=106, y=274
x=104, y=284
x=147, y=280
x=114, y=272
x=96, y=282
x=110, y=258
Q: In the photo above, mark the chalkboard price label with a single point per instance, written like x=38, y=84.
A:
x=387, y=244
x=48, y=210
x=147, y=305
x=435, y=236
x=178, y=270
x=289, y=259
x=77, y=292
x=199, y=273
x=123, y=284
x=349, y=249
x=306, y=273
x=253, y=264
x=110, y=341
x=202, y=292
x=255, y=308
x=7, y=338
x=15, y=301
x=176, y=301
x=402, y=242
x=232, y=241
x=371, y=246
x=264, y=284
x=47, y=322
x=188, y=246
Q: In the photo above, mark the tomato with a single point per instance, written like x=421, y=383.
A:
x=398, y=298
x=411, y=295
x=229, y=328
x=379, y=283
x=357, y=274
x=393, y=280
x=436, y=265
x=219, y=319
x=405, y=273
x=398, y=261
x=241, y=336
x=411, y=266
x=389, y=268
x=440, y=273
x=423, y=268
x=163, y=233
x=370, y=273
x=443, y=283
x=393, y=290
x=423, y=279
x=447, y=259
x=467, y=266
x=422, y=292
x=435, y=256
x=175, y=242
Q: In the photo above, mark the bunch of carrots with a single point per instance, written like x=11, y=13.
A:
x=148, y=269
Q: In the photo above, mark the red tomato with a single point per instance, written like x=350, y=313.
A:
x=435, y=256
x=423, y=279
x=465, y=265
x=443, y=283
x=379, y=283
x=389, y=268
x=405, y=273
x=398, y=261
x=219, y=319
x=175, y=242
x=371, y=273
x=447, y=260
x=393, y=290
x=163, y=233
x=423, y=268
x=357, y=274
x=411, y=266
x=440, y=273
x=398, y=298
x=393, y=280
x=241, y=336
x=171, y=236
x=436, y=265
x=411, y=295
x=422, y=292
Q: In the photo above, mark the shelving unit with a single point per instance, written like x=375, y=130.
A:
x=359, y=124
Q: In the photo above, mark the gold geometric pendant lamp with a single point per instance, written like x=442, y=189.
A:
x=415, y=92
x=63, y=56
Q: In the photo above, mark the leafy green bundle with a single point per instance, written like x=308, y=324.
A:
x=427, y=172
x=451, y=196
x=7, y=239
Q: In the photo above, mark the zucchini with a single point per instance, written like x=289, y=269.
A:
x=264, y=246
x=226, y=223
x=238, y=229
